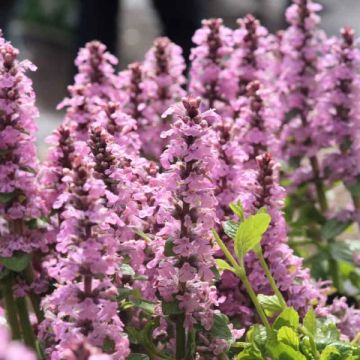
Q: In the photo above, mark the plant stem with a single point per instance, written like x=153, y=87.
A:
x=240, y=272
x=269, y=276
x=180, y=337
x=34, y=298
x=87, y=285
x=242, y=275
x=320, y=190
x=28, y=332
x=10, y=307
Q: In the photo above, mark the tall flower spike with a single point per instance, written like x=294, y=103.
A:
x=338, y=109
x=293, y=280
x=20, y=197
x=83, y=307
x=257, y=122
x=164, y=77
x=300, y=50
x=210, y=75
x=60, y=157
x=96, y=67
x=252, y=58
x=185, y=275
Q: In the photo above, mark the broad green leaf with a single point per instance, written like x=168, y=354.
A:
x=355, y=189
x=171, y=308
x=249, y=233
x=137, y=357
x=288, y=317
x=330, y=353
x=124, y=293
x=333, y=228
x=126, y=269
x=250, y=354
x=237, y=209
x=223, y=265
x=281, y=351
x=6, y=197
x=344, y=250
x=288, y=336
x=168, y=248
x=18, y=262
x=310, y=322
x=230, y=228
x=220, y=328
x=147, y=306
x=270, y=303
x=257, y=336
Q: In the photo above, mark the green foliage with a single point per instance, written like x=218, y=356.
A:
x=270, y=304
x=18, y=262
x=249, y=233
x=293, y=339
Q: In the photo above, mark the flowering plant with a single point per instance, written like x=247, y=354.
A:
x=187, y=219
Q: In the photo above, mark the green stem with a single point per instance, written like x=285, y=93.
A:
x=335, y=275
x=34, y=298
x=320, y=190
x=10, y=308
x=269, y=276
x=28, y=332
x=240, y=272
x=242, y=275
x=180, y=337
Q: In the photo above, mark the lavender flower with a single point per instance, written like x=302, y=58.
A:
x=163, y=70
x=83, y=306
x=20, y=198
x=185, y=276
x=211, y=77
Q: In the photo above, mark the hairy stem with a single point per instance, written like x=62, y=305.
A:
x=270, y=278
x=34, y=298
x=180, y=337
x=10, y=307
x=27, y=329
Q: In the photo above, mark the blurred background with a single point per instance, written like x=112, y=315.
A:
x=49, y=32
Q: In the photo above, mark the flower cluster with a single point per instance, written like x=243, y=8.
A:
x=20, y=200
x=83, y=306
x=185, y=274
x=138, y=188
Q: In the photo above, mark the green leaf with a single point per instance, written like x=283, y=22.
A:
x=330, y=353
x=310, y=322
x=249, y=233
x=168, y=248
x=289, y=317
x=281, y=351
x=237, y=209
x=108, y=345
x=147, y=306
x=220, y=328
x=223, y=265
x=18, y=262
x=7, y=197
x=126, y=269
x=124, y=293
x=230, y=228
x=270, y=303
x=333, y=228
x=344, y=250
x=135, y=356
x=171, y=308
x=288, y=336
x=355, y=189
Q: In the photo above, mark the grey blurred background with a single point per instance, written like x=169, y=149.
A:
x=49, y=32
